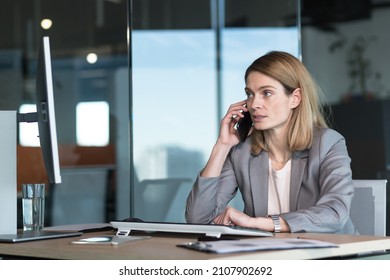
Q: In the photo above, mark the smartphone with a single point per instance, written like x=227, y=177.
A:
x=244, y=125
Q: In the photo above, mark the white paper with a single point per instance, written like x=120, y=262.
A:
x=246, y=245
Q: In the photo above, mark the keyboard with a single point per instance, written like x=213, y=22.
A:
x=22, y=236
x=211, y=230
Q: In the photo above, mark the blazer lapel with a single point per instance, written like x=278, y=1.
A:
x=298, y=166
x=258, y=174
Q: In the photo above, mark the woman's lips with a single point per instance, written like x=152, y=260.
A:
x=258, y=117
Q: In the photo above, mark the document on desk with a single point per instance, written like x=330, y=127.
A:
x=263, y=244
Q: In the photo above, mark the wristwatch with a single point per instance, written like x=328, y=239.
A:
x=275, y=219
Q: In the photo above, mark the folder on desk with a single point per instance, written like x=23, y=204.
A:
x=248, y=245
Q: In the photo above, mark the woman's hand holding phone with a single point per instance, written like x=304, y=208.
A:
x=228, y=133
x=228, y=137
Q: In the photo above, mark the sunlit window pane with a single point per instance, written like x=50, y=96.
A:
x=92, y=123
x=28, y=132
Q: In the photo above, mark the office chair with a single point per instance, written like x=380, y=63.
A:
x=81, y=198
x=154, y=197
x=368, y=208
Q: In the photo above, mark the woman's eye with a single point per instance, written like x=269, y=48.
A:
x=249, y=94
x=267, y=93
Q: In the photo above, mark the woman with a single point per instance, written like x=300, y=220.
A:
x=293, y=171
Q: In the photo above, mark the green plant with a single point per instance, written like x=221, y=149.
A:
x=358, y=65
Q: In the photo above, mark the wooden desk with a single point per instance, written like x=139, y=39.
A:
x=163, y=247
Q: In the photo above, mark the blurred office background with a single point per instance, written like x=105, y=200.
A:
x=140, y=87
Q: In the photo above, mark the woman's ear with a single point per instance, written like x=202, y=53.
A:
x=296, y=98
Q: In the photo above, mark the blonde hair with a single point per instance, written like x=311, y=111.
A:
x=292, y=74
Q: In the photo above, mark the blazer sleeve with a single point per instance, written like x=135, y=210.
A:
x=329, y=171
x=210, y=195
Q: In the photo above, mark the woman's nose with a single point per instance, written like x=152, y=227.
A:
x=257, y=102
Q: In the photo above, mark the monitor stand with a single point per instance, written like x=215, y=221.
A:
x=8, y=166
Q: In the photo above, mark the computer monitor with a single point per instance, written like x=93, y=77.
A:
x=45, y=115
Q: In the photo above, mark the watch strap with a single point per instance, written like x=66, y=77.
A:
x=276, y=221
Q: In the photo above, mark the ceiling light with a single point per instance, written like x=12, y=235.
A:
x=92, y=58
x=46, y=23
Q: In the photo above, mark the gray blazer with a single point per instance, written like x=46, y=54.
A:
x=321, y=186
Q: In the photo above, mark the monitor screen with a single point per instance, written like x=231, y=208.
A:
x=46, y=113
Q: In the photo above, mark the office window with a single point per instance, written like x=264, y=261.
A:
x=28, y=132
x=92, y=123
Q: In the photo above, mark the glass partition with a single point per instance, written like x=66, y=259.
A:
x=156, y=121
x=90, y=68
x=188, y=61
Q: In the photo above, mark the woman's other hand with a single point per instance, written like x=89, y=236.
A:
x=231, y=216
